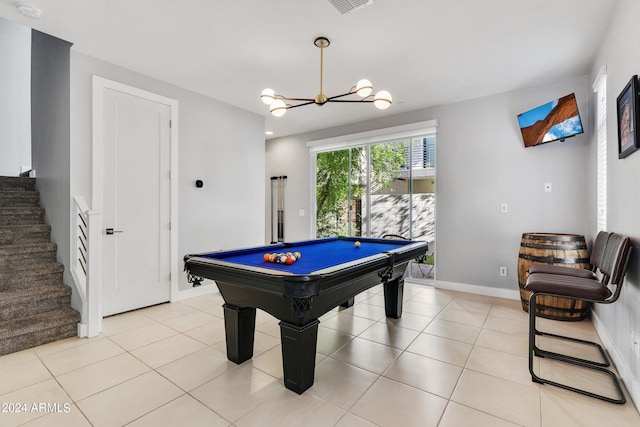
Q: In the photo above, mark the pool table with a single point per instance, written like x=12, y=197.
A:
x=330, y=272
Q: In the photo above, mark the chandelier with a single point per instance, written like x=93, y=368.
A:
x=277, y=106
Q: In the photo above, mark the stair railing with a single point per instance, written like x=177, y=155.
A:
x=86, y=266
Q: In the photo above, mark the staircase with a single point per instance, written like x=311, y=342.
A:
x=35, y=306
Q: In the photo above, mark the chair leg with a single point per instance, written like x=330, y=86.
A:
x=534, y=350
x=544, y=353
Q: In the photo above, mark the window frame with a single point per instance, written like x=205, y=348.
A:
x=600, y=89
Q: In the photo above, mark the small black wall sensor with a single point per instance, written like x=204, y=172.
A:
x=199, y=183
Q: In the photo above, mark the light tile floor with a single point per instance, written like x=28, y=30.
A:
x=453, y=359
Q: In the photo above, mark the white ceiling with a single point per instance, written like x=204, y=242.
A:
x=425, y=52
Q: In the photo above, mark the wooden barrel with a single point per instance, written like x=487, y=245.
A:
x=569, y=250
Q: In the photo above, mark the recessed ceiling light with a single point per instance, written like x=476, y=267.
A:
x=268, y=132
x=29, y=10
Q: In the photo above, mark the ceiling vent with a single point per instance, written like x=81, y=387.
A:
x=346, y=6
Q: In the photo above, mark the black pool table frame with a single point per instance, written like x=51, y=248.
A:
x=298, y=300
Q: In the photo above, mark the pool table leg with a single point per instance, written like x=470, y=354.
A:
x=239, y=327
x=348, y=303
x=393, y=294
x=299, y=354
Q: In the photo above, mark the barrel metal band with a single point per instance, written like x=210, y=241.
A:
x=553, y=247
x=554, y=260
x=554, y=237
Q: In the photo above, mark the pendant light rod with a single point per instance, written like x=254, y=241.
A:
x=321, y=42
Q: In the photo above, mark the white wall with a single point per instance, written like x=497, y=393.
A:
x=218, y=143
x=481, y=163
x=15, y=101
x=617, y=321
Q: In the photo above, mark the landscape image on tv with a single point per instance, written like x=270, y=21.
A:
x=555, y=120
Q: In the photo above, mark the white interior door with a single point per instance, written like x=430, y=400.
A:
x=136, y=269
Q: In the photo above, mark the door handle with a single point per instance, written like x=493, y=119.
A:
x=112, y=231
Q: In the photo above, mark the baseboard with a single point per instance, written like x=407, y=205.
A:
x=207, y=288
x=476, y=289
x=631, y=384
x=83, y=330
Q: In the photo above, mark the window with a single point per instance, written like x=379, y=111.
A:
x=600, y=87
x=421, y=153
x=379, y=183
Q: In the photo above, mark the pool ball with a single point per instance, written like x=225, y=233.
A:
x=357, y=244
x=298, y=255
x=266, y=257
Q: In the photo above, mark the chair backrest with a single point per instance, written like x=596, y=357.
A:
x=614, y=262
x=597, y=251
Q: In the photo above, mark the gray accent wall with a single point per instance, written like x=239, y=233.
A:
x=15, y=90
x=50, y=130
x=481, y=162
x=619, y=321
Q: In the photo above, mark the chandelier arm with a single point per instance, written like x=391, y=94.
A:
x=295, y=99
x=309, y=102
x=350, y=100
x=331, y=98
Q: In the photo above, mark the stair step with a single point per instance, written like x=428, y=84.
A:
x=32, y=331
x=27, y=254
x=10, y=199
x=23, y=276
x=17, y=183
x=31, y=233
x=21, y=216
x=31, y=301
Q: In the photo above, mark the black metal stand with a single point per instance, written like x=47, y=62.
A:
x=534, y=350
x=278, y=218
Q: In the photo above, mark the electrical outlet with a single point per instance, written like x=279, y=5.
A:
x=503, y=271
x=504, y=208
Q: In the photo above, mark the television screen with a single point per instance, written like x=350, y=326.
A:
x=555, y=120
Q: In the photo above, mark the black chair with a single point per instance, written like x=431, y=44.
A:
x=613, y=268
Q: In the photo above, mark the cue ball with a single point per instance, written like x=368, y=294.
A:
x=357, y=244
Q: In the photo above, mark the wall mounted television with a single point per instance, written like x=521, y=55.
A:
x=554, y=121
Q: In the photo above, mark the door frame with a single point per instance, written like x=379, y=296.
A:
x=94, y=288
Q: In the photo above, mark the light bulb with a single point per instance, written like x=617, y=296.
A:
x=278, y=108
x=364, y=88
x=382, y=100
x=267, y=96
